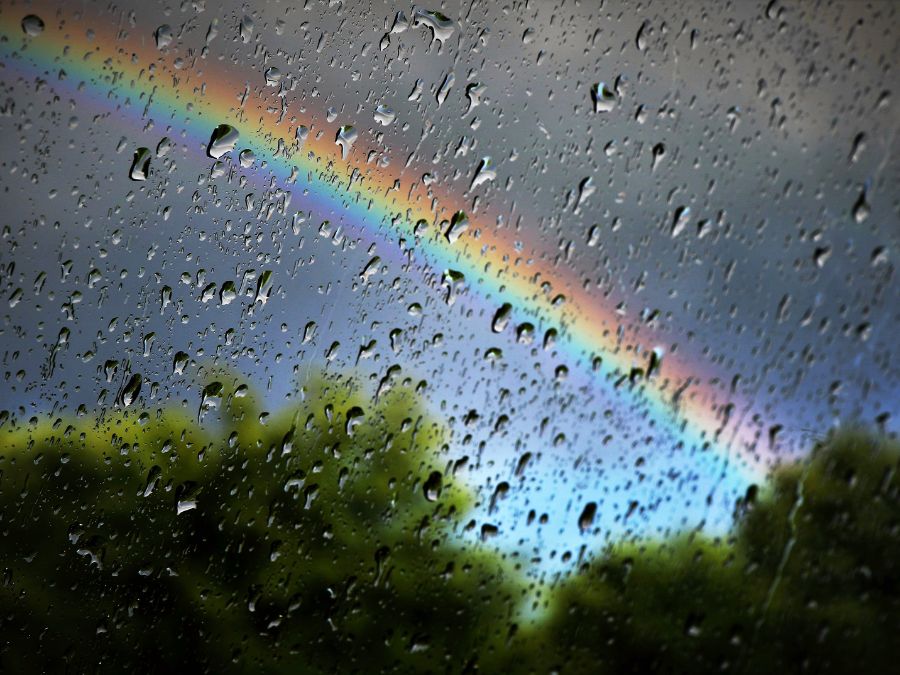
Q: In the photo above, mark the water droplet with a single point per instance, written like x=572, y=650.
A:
x=164, y=147
x=501, y=318
x=273, y=76
x=309, y=332
x=640, y=39
x=525, y=333
x=859, y=145
x=354, y=418
x=131, y=391
x=432, y=487
x=153, y=477
x=223, y=140
x=263, y=287
x=550, y=338
x=209, y=398
x=246, y=158
x=680, y=220
x=444, y=89
x=246, y=29
x=218, y=170
x=474, y=92
x=484, y=173
x=208, y=293
x=416, y=91
x=371, y=268
x=228, y=293
x=401, y=23
x=585, y=189
x=603, y=97
x=384, y=115
x=821, y=256
x=453, y=281
x=861, y=209
x=332, y=352
x=163, y=36
x=441, y=26
x=32, y=25
x=659, y=151
x=301, y=133
x=488, y=531
x=459, y=223
x=179, y=363
x=346, y=137
x=140, y=164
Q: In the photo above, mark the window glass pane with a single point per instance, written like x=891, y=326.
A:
x=503, y=337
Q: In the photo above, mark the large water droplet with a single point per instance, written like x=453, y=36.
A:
x=223, y=140
x=501, y=318
x=131, y=391
x=32, y=25
x=384, y=115
x=441, y=26
x=179, y=363
x=209, y=398
x=246, y=29
x=586, y=519
x=680, y=220
x=346, y=137
x=246, y=158
x=273, y=76
x=432, y=487
x=484, y=173
x=459, y=223
x=163, y=36
x=140, y=164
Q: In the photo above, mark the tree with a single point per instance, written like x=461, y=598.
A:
x=326, y=537
x=317, y=539
x=807, y=583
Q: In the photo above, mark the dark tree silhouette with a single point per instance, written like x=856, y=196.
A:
x=325, y=538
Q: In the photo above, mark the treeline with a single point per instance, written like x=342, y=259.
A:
x=325, y=539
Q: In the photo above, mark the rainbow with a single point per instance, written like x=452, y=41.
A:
x=112, y=71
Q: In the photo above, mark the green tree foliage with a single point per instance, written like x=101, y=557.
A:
x=808, y=582
x=313, y=540
x=326, y=538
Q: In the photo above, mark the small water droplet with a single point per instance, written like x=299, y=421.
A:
x=444, y=89
x=680, y=220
